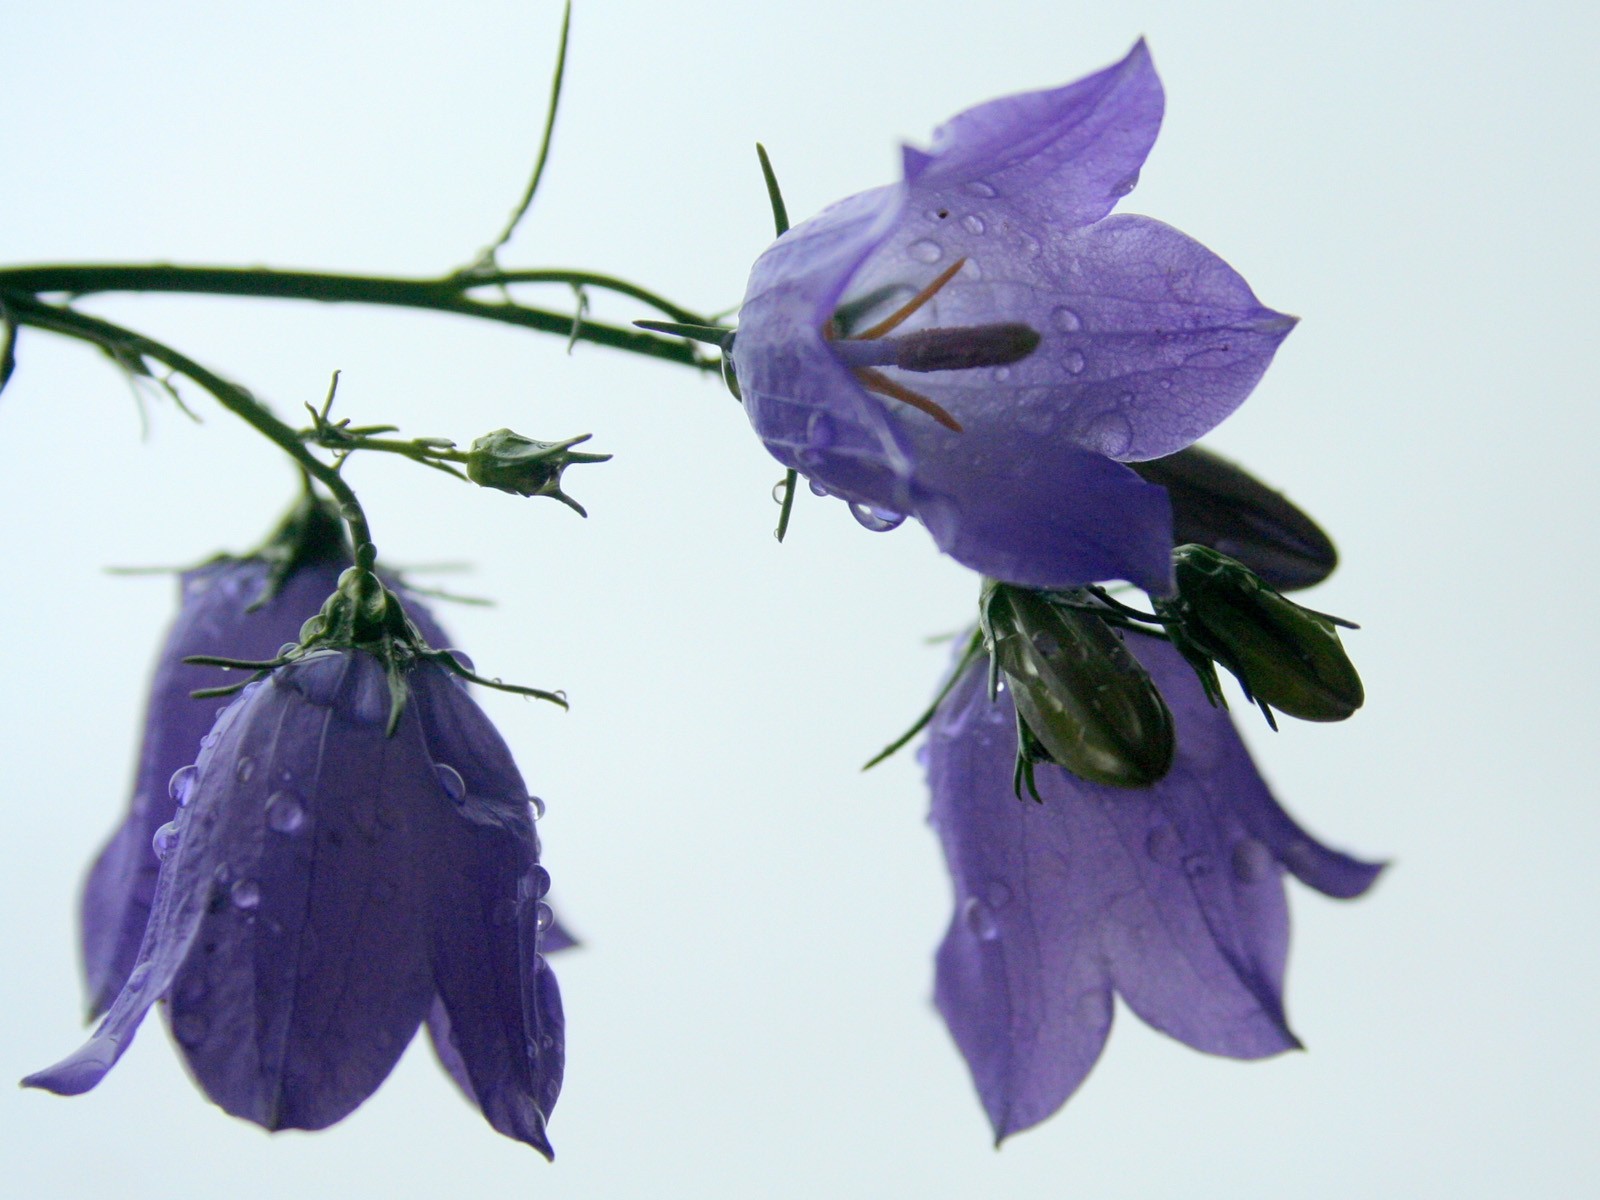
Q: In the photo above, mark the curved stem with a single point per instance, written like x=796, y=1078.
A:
x=129, y=347
x=443, y=294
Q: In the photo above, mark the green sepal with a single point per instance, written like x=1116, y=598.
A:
x=1285, y=656
x=1084, y=698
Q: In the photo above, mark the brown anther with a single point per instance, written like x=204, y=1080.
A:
x=876, y=381
x=895, y=319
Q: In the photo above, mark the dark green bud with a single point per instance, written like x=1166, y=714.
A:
x=1082, y=695
x=1221, y=505
x=512, y=463
x=1284, y=655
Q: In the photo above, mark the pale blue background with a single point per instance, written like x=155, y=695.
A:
x=751, y=1015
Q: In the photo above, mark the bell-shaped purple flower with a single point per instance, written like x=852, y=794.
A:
x=215, y=618
x=1170, y=896
x=326, y=885
x=982, y=347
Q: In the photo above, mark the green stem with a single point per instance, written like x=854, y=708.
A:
x=125, y=345
x=443, y=294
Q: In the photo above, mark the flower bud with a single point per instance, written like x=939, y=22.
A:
x=1284, y=655
x=1083, y=696
x=509, y=462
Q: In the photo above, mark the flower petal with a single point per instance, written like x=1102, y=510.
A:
x=310, y=973
x=1068, y=153
x=499, y=998
x=1049, y=515
x=1021, y=980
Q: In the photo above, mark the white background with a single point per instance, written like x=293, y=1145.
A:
x=751, y=1013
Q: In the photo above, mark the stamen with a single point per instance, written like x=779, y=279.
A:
x=895, y=319
x=876, y=381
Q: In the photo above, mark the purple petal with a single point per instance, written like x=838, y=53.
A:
x=1069, y=153
x=310, y=973
x=501, y=1007
x=177, y=909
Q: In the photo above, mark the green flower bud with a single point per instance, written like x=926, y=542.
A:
x=1082, y=695
x=509, y=462
x=1284, y=656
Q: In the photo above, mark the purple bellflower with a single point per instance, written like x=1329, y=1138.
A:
x=983, y=347
x=1170, y=896
x=290, y=892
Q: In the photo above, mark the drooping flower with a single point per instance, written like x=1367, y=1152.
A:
x=983, y=347
x=1171, y=896
x=217, y=616
x=326, y=885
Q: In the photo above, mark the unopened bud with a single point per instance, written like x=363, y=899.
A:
x=509, y=462
x=1285, y=656
x=1083, y=695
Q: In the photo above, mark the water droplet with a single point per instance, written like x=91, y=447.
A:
x=246, y=767
x=979, y=188
x=878, y=520
x=285, y=813
x=1066, y=320
x=350, y=512
x=1110, y=434
x=538, y=807
x=980, y=919
x=778, y=490
x=164, y=840
x=537, y=882
x=1001, y=374
x=997, y=894
x=925, y=250
x=138, y=975
x=450, y=780
x=182, y=784
x=543, y=916
x=1252, y=861
x=190, y=1027
x=210, y=740
x=1125, y=185
x=1197, y=866
x=1166, y=385
x=223, y=873
x=316, y=677
x=817, y=489
x=1073, y=361
x=1046, y=643
x=973, y=224
x=246, y=894
x=1161, y=844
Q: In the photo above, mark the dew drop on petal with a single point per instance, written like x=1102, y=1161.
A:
x=182, y=784
x=164, y=840
x=997, y=894
x=1197, y=866
x=816, y=488
x=925, y=250
x=537, y=806
x=1001, y=374
x=1161, y=844
x=245, y=768
x=285, y=813
x=1110, y=434
x=1252, y=861
x=138, y=975
x=1125, y=185
x=973, y=223
x=877, y=520
x=450, y=780
x=1073, y=361
x=246, y=894
x=537, y=882
x=980, y=919
x=543, y=916
x=1066, y=320
x=978, y=187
